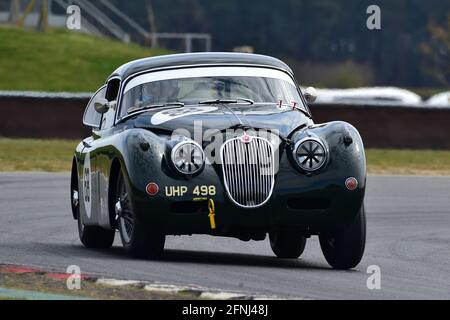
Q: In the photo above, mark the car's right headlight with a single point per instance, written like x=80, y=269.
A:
x=310, y=154
x=188, y=157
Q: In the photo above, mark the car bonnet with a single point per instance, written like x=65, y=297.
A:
x=222, y=117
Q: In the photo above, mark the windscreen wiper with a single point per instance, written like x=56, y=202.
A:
x=227, y=101
x=156, y=106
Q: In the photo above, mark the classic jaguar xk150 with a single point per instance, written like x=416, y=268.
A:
x=221, y=144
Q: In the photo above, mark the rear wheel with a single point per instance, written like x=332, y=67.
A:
x=287, y=243
x=139, y=240
x=344, y=248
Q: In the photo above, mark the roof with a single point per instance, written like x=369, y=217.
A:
x=206, y=58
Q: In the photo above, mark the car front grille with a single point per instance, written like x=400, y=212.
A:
x=248, y=170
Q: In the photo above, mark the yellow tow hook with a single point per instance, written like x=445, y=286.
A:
x=212, y=213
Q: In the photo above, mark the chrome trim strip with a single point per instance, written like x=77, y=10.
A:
x=206, y=72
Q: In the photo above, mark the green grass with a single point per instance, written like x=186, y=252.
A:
x=59, y=60
x=424, y=162
x=56, y=155
x=39, y=286
x=36, y=155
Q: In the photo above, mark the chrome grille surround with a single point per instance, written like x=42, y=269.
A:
x=248, y=170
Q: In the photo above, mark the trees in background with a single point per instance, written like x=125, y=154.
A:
x=325, y=32
x=43, y=16
x=437, y=66
x=152, y=23
x=410, y=49
x=14, y=11
x=18, y=18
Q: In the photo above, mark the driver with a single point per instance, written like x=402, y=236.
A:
x=150, y=93
x=170, y=90
x=160, y=92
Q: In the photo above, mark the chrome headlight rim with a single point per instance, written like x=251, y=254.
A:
x=320, y=164
x=173, y=156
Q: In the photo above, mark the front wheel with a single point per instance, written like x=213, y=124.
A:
x=287, y=243
x=139, y=240
x=92, y=236
x=344, y=248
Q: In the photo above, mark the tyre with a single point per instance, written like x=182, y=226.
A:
x=90, y=236
x=287, y=243
x=139, y=240
x=95, y=237
x=344, y=248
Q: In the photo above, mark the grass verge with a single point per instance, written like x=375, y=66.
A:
x=41, y=286
x=408, y=162
x=56, y=156
x=60, y=60
x=36, y=155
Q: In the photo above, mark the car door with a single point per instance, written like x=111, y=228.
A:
x=101, y=155
x=89, y=177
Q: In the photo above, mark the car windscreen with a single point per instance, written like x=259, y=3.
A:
x=194, y=85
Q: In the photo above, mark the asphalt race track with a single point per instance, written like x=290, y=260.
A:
x=408, y=238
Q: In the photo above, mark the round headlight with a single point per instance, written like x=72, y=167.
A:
x=310, y=154
x=188, y=157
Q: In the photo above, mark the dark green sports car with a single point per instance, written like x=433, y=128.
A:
x=221, y=144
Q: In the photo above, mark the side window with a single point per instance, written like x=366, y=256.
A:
x=113, y=89
x=91, y=117
x=112, y=92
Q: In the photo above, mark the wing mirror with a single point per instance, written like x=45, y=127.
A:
x=310, y=94
x=101, y=105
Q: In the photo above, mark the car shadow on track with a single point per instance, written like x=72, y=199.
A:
x=237, y=259
x=192, y=257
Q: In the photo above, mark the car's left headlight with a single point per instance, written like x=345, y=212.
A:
x=310, y=154
x=188, y=157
